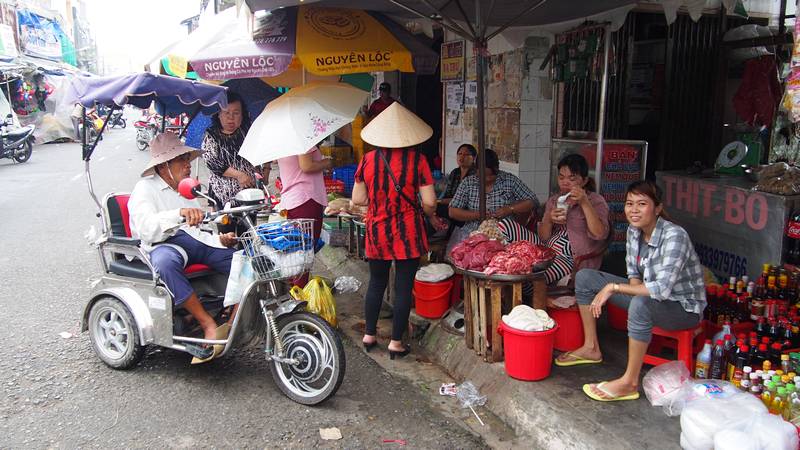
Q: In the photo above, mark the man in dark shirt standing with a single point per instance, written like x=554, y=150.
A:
x=384, y=100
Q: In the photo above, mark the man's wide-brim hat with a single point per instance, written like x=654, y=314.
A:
x=396, y=127
x=164, y=148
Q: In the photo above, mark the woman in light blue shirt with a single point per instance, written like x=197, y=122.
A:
x=664, y=288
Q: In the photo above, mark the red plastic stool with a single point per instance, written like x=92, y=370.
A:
x=685, y=345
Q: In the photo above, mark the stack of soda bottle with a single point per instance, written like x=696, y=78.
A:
x=741, y=300
x=765, y=361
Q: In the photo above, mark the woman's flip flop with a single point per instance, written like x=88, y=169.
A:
x=576, y=360
x=607, y=396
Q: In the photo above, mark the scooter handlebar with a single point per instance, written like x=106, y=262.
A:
x=210, y=216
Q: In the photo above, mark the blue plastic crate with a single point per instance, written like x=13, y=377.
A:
x=346, y=174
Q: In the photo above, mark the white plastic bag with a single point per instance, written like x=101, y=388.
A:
x=772, y=432
x=663, y=383
x=433, y=273
x=290, y=264
x=240, y=277
x=716, y=406
x=525, y=318
x=729, y=439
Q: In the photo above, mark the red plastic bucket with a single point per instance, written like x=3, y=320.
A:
x=617, y=317
x=528, y=353
x=570, y=328
x=458, y=285
x=431, y=300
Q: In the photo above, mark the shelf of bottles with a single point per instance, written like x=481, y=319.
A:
x=753, y=338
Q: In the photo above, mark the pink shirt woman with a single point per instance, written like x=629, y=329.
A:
x=303, y=194
x=302, y=185
x=584, y=221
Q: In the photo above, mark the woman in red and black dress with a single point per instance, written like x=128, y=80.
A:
x=395, y=230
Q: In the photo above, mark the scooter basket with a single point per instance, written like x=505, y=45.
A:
x=280, y=250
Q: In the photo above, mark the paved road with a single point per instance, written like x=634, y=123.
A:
x=56, y=393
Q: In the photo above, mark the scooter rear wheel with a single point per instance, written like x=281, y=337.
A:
x=26, y=154
x=114, y=334
x=310, y=340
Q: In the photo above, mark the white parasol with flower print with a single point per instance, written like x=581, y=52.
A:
x=298, y=120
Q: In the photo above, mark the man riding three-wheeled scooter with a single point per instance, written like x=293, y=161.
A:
x=132, y=306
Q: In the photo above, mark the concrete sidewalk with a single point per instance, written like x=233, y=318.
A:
x=552, y=413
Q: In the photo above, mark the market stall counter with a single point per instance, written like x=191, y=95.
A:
x=735, y=229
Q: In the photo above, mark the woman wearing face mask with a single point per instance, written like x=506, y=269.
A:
x=579, y=229
x=664, y=288
x=230, y=173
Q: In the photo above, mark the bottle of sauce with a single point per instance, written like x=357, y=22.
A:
x=718, y=361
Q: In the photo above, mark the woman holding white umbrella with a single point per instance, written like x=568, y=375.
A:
x=288, y=131
x=303, y=193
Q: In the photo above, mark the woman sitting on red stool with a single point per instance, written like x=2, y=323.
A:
x=664, y=288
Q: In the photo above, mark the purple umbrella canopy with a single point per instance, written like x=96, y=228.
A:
x=172, y=96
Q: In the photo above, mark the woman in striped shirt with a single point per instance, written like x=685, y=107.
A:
x=389, y=181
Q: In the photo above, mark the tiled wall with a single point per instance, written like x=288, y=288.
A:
x=536, y=110
x=536, y=106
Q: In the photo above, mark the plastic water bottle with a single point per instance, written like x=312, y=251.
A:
x=703, y=361
x=726, y=329
x=718, y=361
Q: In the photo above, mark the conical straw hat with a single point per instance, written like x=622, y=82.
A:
x=396, y=127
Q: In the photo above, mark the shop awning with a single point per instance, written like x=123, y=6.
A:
x=551, y=11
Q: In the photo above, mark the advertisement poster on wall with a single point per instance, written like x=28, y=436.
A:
x=452, y=64
x=39, y=35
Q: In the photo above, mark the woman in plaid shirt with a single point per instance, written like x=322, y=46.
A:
x=664, y=288
x=507, y=197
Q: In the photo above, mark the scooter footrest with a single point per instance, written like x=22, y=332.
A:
x=198, y=351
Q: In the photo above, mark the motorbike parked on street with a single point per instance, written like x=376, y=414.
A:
x=117, y=121
x=130, y=307
x=16, y=143
x=148, y=127
x=146, y=131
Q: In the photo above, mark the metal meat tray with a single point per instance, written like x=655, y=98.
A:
x=536, y=272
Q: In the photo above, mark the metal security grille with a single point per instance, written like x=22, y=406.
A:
x=581, y=98
x=691, y=70
x=689, y=110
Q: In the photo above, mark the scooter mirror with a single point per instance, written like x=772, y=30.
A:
x=188, y=188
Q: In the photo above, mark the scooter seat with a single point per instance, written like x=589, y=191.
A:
x=192, y=269
x=17, y=132
x=133, y=269
x=138, y=269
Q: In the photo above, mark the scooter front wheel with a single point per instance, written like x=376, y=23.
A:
x=114, y=334
x=319, y=355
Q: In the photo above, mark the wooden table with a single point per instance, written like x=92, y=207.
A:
x=483, y=307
